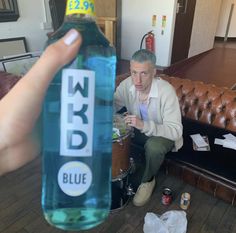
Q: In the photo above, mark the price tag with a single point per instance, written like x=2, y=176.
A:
x=80, y=7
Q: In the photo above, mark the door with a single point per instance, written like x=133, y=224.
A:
x=183, y=30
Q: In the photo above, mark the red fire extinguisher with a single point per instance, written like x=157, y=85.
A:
x=149, y=41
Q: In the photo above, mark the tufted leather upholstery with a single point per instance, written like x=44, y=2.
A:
x=203, y=102
x=206, y=102
x=7, y=81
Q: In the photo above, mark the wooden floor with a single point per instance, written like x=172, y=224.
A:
x=20, y=210
x=216, y=66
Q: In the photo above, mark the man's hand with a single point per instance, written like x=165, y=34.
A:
x=134, y=121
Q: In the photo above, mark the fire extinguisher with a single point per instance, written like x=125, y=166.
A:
x=149, y=41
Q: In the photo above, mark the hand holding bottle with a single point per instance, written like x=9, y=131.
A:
x=21, y=107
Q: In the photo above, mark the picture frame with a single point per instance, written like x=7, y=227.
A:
x=8, y=10
x=19, y=65
x=13, y=46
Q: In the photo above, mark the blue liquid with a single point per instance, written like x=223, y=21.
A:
x=92, y=207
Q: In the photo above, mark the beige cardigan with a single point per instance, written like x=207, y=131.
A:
x=163, y=109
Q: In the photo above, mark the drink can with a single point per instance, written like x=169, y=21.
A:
x=166, y=196
x=185, y=201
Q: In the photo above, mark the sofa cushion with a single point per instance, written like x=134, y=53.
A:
x=219, y=161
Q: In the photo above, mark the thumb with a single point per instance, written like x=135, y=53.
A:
x=63, y=51
x=55, y=57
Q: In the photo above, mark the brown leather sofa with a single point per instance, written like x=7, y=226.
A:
x=210, y=111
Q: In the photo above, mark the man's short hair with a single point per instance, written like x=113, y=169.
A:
x=144, y=55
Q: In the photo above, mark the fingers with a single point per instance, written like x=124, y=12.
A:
x=68, y=46
x=29, y=92
x=71, y=37
x=63, y=51
x=125, y=114
x=134, y=121
x=130, y=120
x=54, y=58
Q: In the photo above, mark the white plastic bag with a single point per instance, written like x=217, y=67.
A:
x=173, y=221
x=153, y=224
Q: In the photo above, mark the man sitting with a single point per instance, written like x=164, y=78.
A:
x=154, y=112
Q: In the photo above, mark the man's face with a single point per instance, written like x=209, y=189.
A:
x=142, y=75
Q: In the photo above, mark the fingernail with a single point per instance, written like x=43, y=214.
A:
x=71, y=37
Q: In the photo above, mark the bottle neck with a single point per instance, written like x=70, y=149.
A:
x=83, y=9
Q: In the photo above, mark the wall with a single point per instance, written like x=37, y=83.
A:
x=105, y=8
x=204, y=26
x=137, y=17
x=137, y=20
x=33, y=18
x=223, y=19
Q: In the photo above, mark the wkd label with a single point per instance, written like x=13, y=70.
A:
x=77, y=112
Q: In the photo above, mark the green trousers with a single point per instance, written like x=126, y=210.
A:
x=155, y=151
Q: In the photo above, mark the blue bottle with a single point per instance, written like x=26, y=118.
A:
x=77, y=128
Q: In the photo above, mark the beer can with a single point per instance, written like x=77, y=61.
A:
x=166, y=196
x=185, y=201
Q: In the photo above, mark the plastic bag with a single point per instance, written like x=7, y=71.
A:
x=173, y=221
